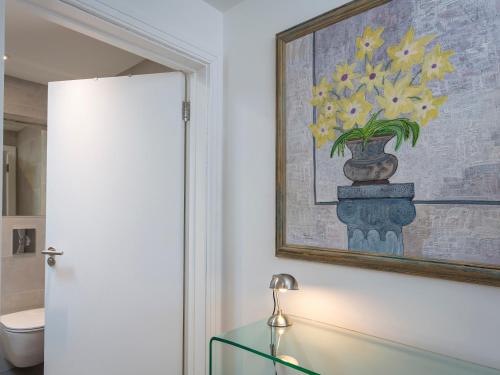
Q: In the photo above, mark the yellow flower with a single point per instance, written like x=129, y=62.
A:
x=321, y=92
x=328, y=109
x=324, y=130
x=368, y=42
x=427, y=108
x=397, y=98
x=344, y=75
x=408, y=52
x=436, y=64
x=354, y=110
x=373, y=77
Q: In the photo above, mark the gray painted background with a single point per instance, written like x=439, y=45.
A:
x=457, y=157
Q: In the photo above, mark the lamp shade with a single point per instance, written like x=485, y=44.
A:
x=284, y=281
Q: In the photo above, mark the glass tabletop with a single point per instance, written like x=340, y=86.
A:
x=311, y=347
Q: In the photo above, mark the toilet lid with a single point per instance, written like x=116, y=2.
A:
x=24, y=320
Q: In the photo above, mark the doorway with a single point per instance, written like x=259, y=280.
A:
x=27, y=72
x=204, y=156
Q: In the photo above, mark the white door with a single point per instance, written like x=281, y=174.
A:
x=114, y=300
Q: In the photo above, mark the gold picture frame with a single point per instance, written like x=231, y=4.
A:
x=465, y=271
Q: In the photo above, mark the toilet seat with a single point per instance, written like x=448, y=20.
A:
x=22, y=336
x=24, y=321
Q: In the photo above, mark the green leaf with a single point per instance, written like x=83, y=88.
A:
x=340, y=142
x=401, y=128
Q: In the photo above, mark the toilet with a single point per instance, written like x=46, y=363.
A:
x=21, y=334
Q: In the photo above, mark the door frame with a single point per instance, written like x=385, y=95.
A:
x=204, y=149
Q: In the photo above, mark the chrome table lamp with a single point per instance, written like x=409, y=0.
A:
x=280, y=283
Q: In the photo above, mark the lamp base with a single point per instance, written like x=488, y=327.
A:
x=279, y=320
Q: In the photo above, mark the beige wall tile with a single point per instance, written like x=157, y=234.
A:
x=9, y=223
x=25, y=100
x=27, y=300
x=22, y=272
x=23, y=275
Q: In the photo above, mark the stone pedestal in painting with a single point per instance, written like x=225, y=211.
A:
x=375, y=216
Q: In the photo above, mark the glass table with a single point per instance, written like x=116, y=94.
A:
x=309, y=347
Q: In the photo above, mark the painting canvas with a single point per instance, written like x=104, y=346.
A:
x=389, y=138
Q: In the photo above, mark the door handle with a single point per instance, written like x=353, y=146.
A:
x=51, y=252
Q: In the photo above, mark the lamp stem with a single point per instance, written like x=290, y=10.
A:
x=278, y=307
x=274, y=301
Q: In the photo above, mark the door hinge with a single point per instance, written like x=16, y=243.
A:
x=186, y=111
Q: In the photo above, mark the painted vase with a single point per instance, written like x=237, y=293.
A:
x=370, y=164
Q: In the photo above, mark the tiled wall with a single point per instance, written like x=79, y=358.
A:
x=23, y=275
x=25, y=100
x=31, y=167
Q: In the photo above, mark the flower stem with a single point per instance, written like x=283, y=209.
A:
x=376, y=89
x=415, y=76
x=336, y=95
x=397, y=76
x=385, y=70
x=359, y=88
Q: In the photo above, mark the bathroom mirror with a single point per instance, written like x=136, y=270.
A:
x=24, y=168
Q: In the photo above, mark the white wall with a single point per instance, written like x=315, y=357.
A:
x=191, y=22
x=452, y=318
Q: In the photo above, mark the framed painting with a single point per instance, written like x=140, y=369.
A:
x=388, y=138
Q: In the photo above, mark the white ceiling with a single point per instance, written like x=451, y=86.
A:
x=41, y=51
x=223, y=5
